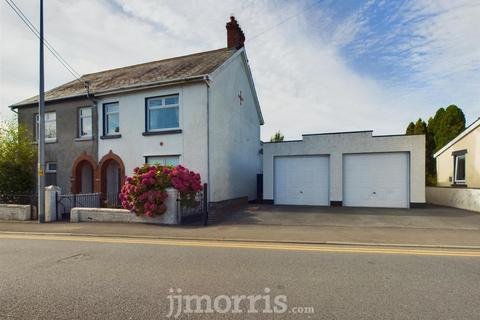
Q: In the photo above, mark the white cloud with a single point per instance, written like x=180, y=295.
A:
x=304, y=83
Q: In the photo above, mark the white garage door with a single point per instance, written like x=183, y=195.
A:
x=376, y=180
x=302, y=180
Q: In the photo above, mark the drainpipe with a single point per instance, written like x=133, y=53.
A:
x=206, y=78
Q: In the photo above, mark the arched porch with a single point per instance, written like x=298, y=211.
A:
x=111, y=173
x=82, y=179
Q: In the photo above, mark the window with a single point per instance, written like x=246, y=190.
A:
x=111, y=120
x=85, y=122
x=459, y=173
x=51, y=167
x=50, y=173
x=50, y=126
x=163, y=160
x=162, y=113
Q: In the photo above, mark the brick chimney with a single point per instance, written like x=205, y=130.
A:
x=235, y=35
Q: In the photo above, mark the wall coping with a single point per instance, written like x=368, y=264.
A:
x=455, y=188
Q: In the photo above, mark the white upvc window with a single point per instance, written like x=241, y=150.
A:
x=50, y=126
x=85, y=122
x=163, y=113
x=51, y=167
x=163, y=160
x=459, y=165
x=111, y=119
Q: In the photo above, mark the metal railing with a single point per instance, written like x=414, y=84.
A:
x=65, y=202
x=15, y=198
x=193, y=207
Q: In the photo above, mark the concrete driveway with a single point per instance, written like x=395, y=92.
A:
x=434, y=217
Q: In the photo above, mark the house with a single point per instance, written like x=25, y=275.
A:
x=458, y=171
x=199, y=110
x=346, y=169
x=458, y=162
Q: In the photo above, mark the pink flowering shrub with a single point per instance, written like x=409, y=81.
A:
x=188, y=183
x=145, y=192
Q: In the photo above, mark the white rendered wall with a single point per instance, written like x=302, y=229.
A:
x=464, y=198
x=132, y=147
x=234, y=134
x=335, y=145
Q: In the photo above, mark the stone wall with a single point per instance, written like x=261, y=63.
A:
x=15, y=212
x=463, y=198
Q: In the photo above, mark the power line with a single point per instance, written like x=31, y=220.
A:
x=50, y=48
x=284, y=21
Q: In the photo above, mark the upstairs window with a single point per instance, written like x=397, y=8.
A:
x=50, y=126
x=162, y=113
x=111, y=119
x=459, y=173
x=85, y=122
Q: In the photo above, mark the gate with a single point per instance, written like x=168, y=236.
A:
x=65, y=203
x=193, y=208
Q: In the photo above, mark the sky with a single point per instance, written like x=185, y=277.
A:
x=318, y=66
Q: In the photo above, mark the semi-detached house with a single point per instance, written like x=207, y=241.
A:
x=202, y=111
x=199, y=110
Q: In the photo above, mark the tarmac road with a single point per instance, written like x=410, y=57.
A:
x=74, y=277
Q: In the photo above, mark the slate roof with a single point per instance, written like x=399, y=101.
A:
x=140, y=75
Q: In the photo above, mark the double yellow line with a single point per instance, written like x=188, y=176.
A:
x=249, y=245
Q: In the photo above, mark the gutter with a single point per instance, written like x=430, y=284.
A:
x=91, y=96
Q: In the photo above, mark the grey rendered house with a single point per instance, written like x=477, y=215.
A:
x=200, y=110
x=70, y=131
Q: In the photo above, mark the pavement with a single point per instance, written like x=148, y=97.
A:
x=75, y=277
x=432, y=226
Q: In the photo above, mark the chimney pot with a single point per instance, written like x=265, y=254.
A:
x=235, y=35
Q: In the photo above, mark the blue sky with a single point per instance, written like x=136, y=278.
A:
x=335, y=66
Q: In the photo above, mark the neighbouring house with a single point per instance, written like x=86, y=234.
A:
x=199, y=110
x=346, y=169
x=458, y=171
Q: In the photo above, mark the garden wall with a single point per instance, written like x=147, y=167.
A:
x=122, y=215
x=15, y=212
x=464, y=198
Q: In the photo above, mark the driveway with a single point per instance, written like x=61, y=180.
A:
x=434, y=217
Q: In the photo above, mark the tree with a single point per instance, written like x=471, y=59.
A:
x=420, y=127
x=17, y=159
x=277, y=137
x=448, y=123
x=410, y=128
x=441, y=129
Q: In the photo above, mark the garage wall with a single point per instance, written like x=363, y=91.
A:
x=336, y=145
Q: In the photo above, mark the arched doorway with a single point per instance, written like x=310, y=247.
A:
x=83, y=173
x=112, y=177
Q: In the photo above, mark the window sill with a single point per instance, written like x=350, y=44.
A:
x=46, y=141
x=156, y=133
x=459, y=185
x=112, y=136
x=90, y=138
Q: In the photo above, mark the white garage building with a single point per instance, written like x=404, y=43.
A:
x=353, y=169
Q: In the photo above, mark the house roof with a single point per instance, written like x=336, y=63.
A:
x=467, y=130
x=181, y=68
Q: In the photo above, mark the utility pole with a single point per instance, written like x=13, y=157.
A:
x=41, y=130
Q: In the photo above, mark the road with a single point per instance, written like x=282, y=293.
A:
x=67, y=277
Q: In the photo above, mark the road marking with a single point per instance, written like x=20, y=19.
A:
x=250, y=245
